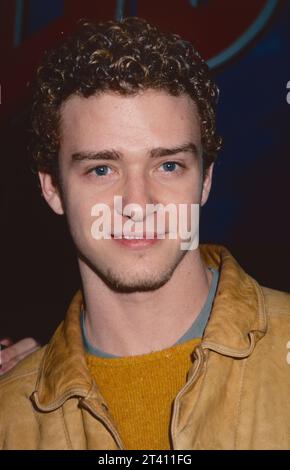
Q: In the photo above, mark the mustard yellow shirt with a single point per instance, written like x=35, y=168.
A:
x=140, y=390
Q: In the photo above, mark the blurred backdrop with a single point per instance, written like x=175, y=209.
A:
x=247, y=45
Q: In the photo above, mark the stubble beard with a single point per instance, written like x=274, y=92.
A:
x=136, y=281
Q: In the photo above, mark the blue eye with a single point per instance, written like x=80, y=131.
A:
x=169, y=166
x=101, y=170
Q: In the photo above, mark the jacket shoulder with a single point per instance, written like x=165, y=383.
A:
x=16, y=408
x=277, y=302
x=21, y=380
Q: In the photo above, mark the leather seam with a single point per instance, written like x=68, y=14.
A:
x=262, y=310
x=239, y=404
x=7, y=380
x=58, y=403
x=202, y=371
x=66, y=433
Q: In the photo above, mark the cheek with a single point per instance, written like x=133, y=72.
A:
x=188, y=218
x=187, y=187
x=79, y=200
x=187, y=194
x=79, y=216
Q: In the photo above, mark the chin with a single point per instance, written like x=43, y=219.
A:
x=133, y=284
x=142, y=275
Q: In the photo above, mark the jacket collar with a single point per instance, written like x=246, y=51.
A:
x=238, y=318
x=63, y=372
x=237, y=322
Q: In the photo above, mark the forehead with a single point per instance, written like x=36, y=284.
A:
x=148, y=119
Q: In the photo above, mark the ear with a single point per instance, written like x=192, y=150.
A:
x=51, y=192
x=206, y=185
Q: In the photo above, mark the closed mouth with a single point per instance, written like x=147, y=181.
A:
x=148, y=236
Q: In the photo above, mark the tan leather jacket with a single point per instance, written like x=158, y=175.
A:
x=237, y=394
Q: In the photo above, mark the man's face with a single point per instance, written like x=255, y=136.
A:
x=145, y=148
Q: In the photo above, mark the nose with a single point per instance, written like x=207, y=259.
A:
x=137, y=193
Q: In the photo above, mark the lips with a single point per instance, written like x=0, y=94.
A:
x=137, y=241
x=141, y=236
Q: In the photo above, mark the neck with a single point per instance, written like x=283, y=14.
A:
x=125, y=324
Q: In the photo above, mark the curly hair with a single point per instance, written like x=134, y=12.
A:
x=126, y=57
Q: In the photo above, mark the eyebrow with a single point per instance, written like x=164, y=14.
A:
x=158, y=152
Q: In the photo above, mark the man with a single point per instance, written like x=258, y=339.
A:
x=163, y=347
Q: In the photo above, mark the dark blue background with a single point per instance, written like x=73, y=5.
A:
x=249, y=206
